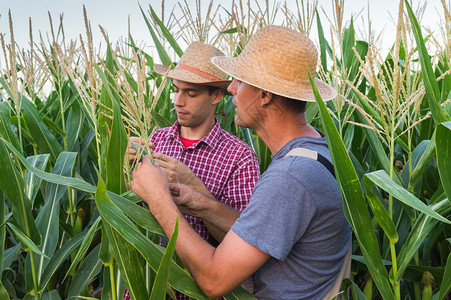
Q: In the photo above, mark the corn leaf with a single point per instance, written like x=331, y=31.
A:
x=164, y=57
x=445, y=288
x=13, y=186
x=2, y=233
x=381, y=179
x=174, y=45
x=84, y=247
x=60, y=257
x=443, y=150
x=430, y=83
x=353, y=200
x=89, y=268
x=420, y=231
x=39, y=132
x=27, y=243
x=52, y=295
x=423, y=162
x=161, y=279
x=9, y=255
x=33, y=182
x=138, y=214
x=6, y=130
x=74, y=125
x=114, y=134
x=153, y=254
x=3, y=293
x=379, y=212
x=348, y=44
x=48, y=218
x=322, y=42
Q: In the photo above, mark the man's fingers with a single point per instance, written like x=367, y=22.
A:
x=161, y=163
x=162, y=157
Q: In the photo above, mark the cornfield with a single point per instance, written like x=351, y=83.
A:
x=70, y=226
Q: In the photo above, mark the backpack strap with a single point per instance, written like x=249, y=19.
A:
x=313, y=155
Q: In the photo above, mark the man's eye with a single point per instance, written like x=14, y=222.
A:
x=192, y=95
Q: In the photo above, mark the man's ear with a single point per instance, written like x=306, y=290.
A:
x=266, y=97
x=217, y=96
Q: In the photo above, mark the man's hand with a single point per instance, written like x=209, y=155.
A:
x=217, y=216
x=131, y=153
x=178, y=172
x=150, y=183
x=188, y=200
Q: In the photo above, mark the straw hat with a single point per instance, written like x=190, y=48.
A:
x=195, y=67
x=276, y=59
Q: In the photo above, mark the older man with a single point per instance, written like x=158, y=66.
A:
x=196, y=151
x=293, y=234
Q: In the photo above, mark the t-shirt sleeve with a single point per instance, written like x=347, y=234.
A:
x=278, y=214
x=239, y=186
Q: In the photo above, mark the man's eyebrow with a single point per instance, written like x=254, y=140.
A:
x=186, y=89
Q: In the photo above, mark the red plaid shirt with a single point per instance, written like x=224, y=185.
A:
x=226, y=165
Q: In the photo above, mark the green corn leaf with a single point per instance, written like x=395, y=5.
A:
x=75, y=183
x=27, y=243
x=423, y=162
x=13, y=186
x=84, y=246
x=445, y=288
x=175, y=46
x=128, y=260
x=52, y=295
x=89, y=269
x=381, y=179
x=6, y=130
x=3, y=293
x=39, y=132
x=230, y=31
x=160, y=119
x=48, y=218
x=60, y=257
x=2, y=233
x=117, y=138
x=353, y=200
x=443, y=150
x=164, y=57
x=138, y=214
x=10, y=256
x=378, y=149
x=322, y=42
x=420, y=231
x=161, y=279
x=379, y=212
x=430, y=83
x=153, y=254
x=348, y=44
x=74, y=125
x=33, y=182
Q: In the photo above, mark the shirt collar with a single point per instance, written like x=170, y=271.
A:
x=211, y=139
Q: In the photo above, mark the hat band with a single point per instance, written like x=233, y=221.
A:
x=198, y=72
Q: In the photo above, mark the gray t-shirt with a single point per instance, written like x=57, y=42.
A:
x=295, y=215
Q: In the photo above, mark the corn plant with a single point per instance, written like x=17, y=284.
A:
x=69, y=226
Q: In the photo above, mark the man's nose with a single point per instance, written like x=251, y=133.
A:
x=232, y=87
x=178, y=99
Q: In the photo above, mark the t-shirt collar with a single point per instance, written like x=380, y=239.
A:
x=211, y=139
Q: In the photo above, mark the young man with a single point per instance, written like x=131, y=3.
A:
x=293, y=234
x=196, y=151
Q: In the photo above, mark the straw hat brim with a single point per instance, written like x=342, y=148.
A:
x=251, y=74
x=187, y=76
